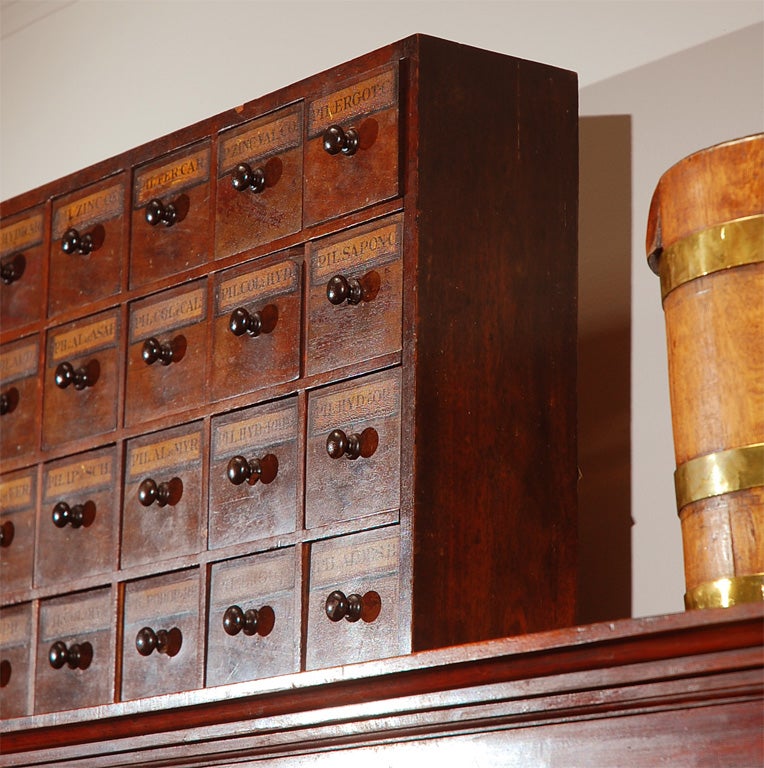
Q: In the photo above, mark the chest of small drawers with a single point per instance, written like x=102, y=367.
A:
x=293, y=387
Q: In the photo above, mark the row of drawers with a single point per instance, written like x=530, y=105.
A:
x=316, y=159
x=316, y=459
x=178, y=355
x=229, y=621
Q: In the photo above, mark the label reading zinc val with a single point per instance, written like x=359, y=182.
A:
x=162, y=600
x=14, y=628
x=21, y=234
x=355, y=559
x=262, y=284
x=84, y=475
x=262, y=139
x=172, y=177
x=267, y=428
x=374, y=400
x=264, y=576
x=375, y=246
x=80, y=341
x=86, y=211
x=360, y=99
x=165, y=315
x=75, y=618
x=183, y=449
x=19, y=362
x=16, y=494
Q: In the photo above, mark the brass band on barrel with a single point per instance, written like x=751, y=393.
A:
x=731, y=244
x=723, y=593
x=718, y=473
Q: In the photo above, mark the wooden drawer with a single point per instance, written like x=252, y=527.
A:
x=163, y=514
x=82, y=375
x=87, y=242
x=366, y=622
x=361, y=165
x=162, y=648
x=167, y=352
x=255, y=471
x=256, y=335
x=361, y=419
x=259, y=188
x=355, y=300
x=19, y=366
x=18, y=499
x=78, y=521
x=22, y=254
x=254, y=618
x=171, y=215
x=15, y=661
x=75, y=652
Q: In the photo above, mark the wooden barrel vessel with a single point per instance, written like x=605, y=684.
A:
x=705, y=240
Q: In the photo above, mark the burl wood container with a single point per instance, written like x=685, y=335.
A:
x=705, y=239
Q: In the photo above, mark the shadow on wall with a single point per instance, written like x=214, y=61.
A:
x=604, y=365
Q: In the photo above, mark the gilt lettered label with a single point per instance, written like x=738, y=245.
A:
x=22, y=234
x=257, y=285
x=176, y=312
x=263, y=138
x=353, y=254
x=83, y=340
x=374, y=399
x=249, y=583
x=85, y=475
x=164, y=454
x=370, y=95
x=262, y=429
x=71, y=619
x=17, y=493
x=163, y=600
x=173, y=177
x=350, y=559
x=90, y=210
x=19, y=362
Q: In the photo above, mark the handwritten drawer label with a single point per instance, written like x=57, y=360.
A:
x=373, y=400
x=260, y=577
x=263, y=139
x=168, y=314
x=17, y=493
x=258, y=285
x=376, y=246
x=363, y=98
x=21, y=234
x=62, y=619
x=173, y=177
x=270, y=428
x=86, y=211
x=183, y=449
x=89, y=474
x=353, y=559
x=162, y=600
x=15, y=627
x=19, y=362
x=87, y=338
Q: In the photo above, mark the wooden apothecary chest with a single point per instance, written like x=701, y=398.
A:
x=297, y=385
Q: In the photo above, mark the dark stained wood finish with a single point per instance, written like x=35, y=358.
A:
x=16, y=678
x=18, y=496
x=19, y=383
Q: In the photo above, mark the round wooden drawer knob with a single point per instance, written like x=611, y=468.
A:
x=241, y=470
x=165, y=641
x=12, y=269
x=164, y=493
x=250, y=622
x=336, y=140
x=80, y=378
x=76, y=656
x=245, y=177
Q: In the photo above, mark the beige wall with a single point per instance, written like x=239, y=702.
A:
x=83, y=80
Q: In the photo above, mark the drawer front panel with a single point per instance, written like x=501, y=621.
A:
x=75, y=657
x=364, y=167
x=254, y=474
x=355, y=296
x=167, y=353
x=364, y=568
x=259, y=188
x=78, y=519
x=253, y=618
x=162, y=649
x=163, y=509
x=15, y=662
x=82, y=374
x=18, y=500
x=256, y=328
x=171, y=215
x=365, y=412
x=19, y=365
x=87, y=243
x=21, y=267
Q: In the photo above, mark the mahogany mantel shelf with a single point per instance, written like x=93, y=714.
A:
x=683, y=689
